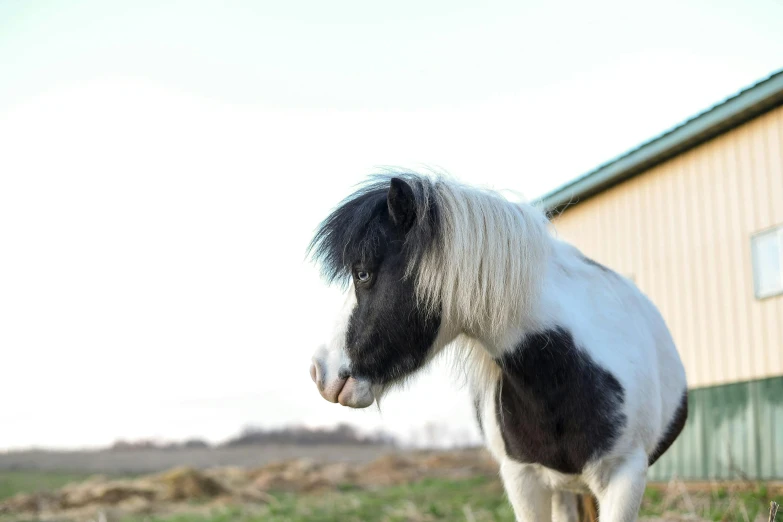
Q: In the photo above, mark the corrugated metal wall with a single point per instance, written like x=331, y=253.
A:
x=682, y=231
x=734, y=431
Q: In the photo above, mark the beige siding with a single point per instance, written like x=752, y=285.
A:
x=682, y=231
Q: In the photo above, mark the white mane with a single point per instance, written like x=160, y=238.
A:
x=487, y=264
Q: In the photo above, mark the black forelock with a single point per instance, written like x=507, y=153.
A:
x=351, y=231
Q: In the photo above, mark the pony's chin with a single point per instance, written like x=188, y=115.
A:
x=356, y=393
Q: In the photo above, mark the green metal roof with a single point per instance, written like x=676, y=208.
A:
x=736, y=110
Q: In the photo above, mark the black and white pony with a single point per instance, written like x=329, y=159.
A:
x=577, y=383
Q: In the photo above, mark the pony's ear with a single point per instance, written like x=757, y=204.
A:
x=402, y=204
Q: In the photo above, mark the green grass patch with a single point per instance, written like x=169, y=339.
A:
x=13, y=482
x=428, y=500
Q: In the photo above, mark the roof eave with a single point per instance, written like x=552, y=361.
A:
x=748, y=104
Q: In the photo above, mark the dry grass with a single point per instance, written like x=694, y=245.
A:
x=743, y=501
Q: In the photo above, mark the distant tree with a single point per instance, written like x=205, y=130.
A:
x=195, y=444
x=340, y=434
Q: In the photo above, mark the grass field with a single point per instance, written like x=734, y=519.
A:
x=479, y=499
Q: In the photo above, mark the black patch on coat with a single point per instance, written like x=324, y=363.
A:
x=559, y=408
x=674, y=429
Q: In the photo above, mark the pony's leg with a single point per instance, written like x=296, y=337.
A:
x=620, y=498
x=532, y=502
x=564, y=507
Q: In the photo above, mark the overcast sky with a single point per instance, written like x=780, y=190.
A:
x=164, y=164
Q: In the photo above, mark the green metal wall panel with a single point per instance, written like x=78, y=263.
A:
x=733, y=431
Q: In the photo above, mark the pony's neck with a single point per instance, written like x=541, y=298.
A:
x=481, y=351
x=547, y=309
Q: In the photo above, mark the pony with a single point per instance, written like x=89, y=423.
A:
x=576, y=381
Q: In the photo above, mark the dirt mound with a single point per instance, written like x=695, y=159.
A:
x=110, y=494
x=390, y=470
x=304, y=476
x=165, y=491
x=186, y=484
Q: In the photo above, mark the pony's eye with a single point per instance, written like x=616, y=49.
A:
x=361, y=275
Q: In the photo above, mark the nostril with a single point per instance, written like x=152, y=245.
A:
x=313, y=372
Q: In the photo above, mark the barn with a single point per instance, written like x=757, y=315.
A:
x=694, y=217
